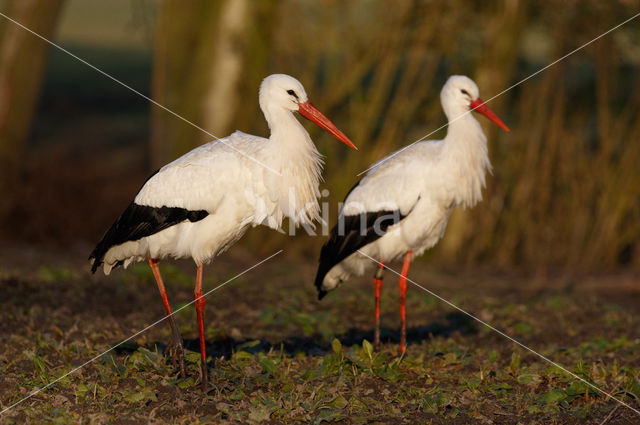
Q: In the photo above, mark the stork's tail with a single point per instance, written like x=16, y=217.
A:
x=97, y=257
x=96, y=262
x=319, y=281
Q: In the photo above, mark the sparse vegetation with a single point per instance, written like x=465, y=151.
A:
x=277, y=355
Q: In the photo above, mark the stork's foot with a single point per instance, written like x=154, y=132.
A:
x=376, y=331
x=177, y=355
x=377, y=289
x=402, y=287
x=376, y=338
x=205, y=375
x=403, y=344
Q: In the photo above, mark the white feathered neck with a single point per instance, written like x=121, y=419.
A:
x=466, y=156
x=295, y=156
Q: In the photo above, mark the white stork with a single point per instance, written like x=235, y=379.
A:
x=201, y=203
x=401, y=206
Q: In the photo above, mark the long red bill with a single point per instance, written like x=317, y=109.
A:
x=478, y=105
x=310, y=112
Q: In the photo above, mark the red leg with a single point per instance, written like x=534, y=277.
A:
x=402, y=286
x=199, y=312
x=176, y=340
x=377, y=288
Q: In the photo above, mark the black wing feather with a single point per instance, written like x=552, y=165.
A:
x=138, y=221
x=359, y=230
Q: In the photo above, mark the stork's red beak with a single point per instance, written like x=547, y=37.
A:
x=478, y=105
x=310, y=112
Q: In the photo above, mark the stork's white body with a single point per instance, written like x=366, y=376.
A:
x=236, y=190
x=424, y=182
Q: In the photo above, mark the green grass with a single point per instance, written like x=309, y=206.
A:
x=276, y=355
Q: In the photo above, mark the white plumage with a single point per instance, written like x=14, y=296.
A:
x=237, y=192
x=420, y=184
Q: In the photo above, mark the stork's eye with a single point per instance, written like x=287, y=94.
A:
x=465, y=92
x=292, y=93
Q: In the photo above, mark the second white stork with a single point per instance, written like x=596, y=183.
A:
x=201, y=203
x=402, y=205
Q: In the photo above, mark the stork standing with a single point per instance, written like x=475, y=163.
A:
x=402, y=205
x=204, y=201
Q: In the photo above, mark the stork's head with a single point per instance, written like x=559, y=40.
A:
x=284, y=91
x=460, y=94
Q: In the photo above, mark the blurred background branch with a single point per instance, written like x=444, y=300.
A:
x=565, y=186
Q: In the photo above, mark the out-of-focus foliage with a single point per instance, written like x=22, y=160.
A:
x=201, y=54
x=565, y=184
x=564, y=192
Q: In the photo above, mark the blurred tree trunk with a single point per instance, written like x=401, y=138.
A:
x=201, y=54
x=183, y=34
x=220, y=97
x=22, y=64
